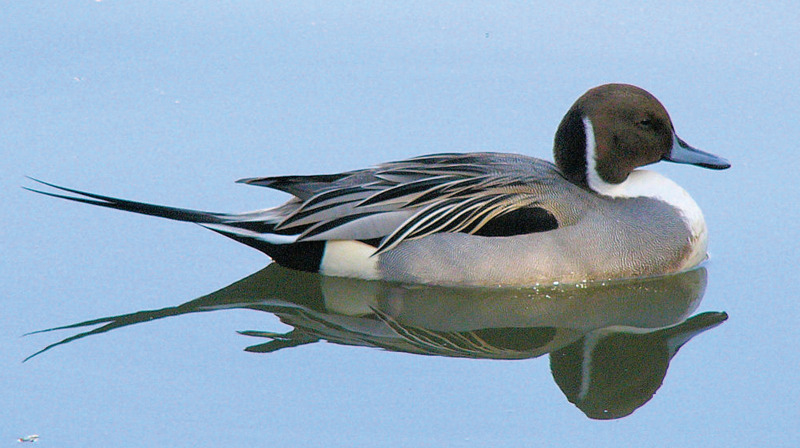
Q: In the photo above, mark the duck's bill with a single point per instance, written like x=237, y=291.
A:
x=681, y=152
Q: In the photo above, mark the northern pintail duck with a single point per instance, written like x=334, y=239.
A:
x=489, y=218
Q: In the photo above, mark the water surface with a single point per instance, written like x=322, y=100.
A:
x=171, y=102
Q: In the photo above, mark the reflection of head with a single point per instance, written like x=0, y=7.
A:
x=608, y=384
x=610, y=373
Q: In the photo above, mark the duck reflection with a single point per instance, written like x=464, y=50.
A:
x=610, y=343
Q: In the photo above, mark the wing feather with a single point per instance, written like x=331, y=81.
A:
x=455, y=215
x=482, y=193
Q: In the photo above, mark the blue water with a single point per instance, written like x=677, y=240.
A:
x=171, y=102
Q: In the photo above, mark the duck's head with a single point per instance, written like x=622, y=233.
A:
x=615, y=128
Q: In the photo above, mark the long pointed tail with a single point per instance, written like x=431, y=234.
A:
x=257, y=232
x=177, y=214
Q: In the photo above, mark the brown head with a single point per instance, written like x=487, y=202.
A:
x=615, y=128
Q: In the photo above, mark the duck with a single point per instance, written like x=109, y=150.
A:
x=486, y=218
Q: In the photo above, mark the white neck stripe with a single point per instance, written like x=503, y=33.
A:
x=594, y=180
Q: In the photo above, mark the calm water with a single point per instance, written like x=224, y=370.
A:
x=191, y=341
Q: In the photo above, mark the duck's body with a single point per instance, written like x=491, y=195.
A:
x=490, y=218
x=592, y=237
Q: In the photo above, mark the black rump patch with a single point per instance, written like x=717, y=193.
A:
x=303, y=256
x=374, y=242
x=520, y=222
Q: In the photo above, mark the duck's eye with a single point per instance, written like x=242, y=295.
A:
x=646, y=123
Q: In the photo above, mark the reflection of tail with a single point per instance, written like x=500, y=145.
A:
x=256, y=230
x=263, y=291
